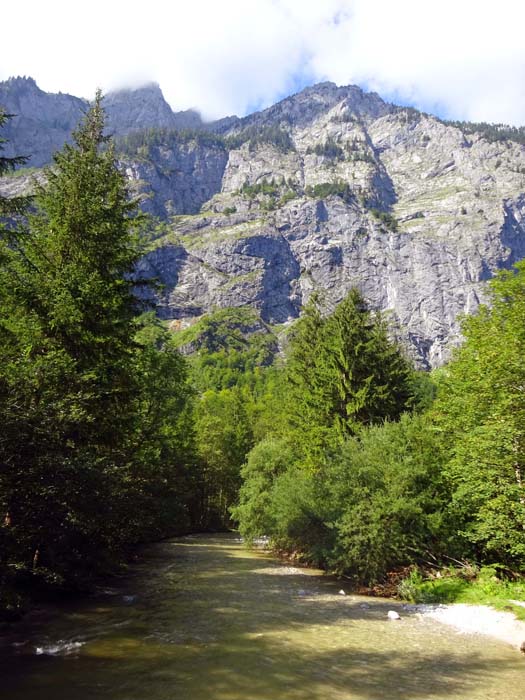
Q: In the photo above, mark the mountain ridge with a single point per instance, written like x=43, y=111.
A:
x=330, y=188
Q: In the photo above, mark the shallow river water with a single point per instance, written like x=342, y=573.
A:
x=203, y=618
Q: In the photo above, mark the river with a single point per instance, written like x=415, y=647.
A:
x=203, y=618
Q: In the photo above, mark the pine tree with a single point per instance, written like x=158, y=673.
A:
x=343, y=372
x=369, y=376
x=69, y=391
x=16, y=205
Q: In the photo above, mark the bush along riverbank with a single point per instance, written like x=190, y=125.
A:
x=492, y=586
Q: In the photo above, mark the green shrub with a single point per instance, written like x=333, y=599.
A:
x=329, y=149
x=328, y=189
x=385, y=218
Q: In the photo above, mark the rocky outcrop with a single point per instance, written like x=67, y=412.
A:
x=145, y=108
x=329, y=189
x=412, y=211
x=43, y=122
x=177, y=177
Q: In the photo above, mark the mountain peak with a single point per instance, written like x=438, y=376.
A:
x=151, y=88
x=21, y=80
x=305, y=106
x=145, y=107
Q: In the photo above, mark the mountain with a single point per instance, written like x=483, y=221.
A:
x=43, y=121
x=328, y=189
x=145, y=108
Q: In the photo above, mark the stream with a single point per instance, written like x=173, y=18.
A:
x=204, y=618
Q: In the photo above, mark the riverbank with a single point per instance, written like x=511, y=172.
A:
x=477, y=620
x=480, y=604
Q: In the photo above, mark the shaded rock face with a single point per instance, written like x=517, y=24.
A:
x=143, y=108
x=414, y=212
x=178, y=178
x=43, y=121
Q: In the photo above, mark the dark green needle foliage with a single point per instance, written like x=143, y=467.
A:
x=92, y=403
x=344, y=373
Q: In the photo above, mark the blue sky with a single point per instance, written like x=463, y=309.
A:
x=462, y=59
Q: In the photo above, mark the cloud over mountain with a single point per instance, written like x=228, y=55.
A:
x=464, y=60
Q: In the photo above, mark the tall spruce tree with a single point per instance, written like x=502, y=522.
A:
x=68, y=404
x=343, y=372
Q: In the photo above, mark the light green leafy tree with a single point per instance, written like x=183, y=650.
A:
x=481, y=413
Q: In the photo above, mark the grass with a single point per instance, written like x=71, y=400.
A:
x=22, y=172
x=475, y=586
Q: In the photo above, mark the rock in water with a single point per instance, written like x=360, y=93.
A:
x=392, y=615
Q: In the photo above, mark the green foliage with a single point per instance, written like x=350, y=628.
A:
x=229, y=369
x=343, y=372
x=224, y=438
x=385, y=218
x=264, y=187
x=96, y=450
x=328, y=189
x=232, y=329
x=481, y=410
x=388, y=480
x=22, y=172
x=329, y=149
x=17, y=205
x=362, y=156
x=143, y=143
x=486, y=585
x=256, y=136
x=267, y=461
x=288, y=196
x=356, y=485
x=491, y=132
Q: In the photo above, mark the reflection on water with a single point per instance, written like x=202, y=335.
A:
x=203, y=618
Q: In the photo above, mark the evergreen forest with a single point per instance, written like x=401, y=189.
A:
x=335, y=448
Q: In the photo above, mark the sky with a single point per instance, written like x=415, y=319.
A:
x=460, y=59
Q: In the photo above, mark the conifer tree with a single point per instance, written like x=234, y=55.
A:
x=69, y=391
x=15, y=205
x=343, y=372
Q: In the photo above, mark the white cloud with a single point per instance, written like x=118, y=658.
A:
x=463, y=57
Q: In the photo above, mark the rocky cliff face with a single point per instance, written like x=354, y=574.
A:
x=329, y=189
x=44, y=121
x=412, y=211
x=144, y=108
